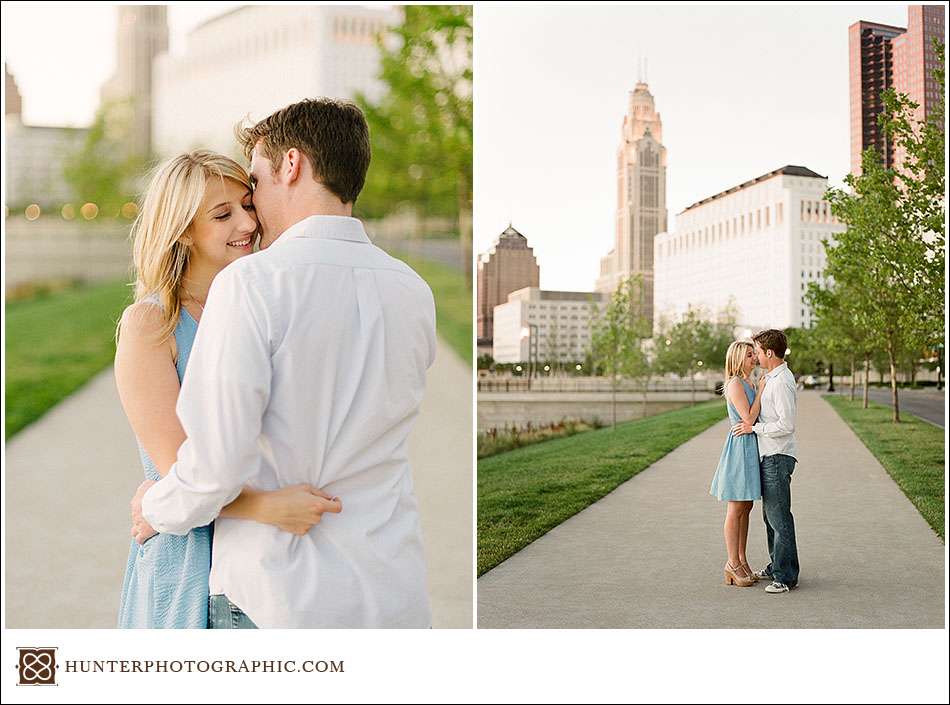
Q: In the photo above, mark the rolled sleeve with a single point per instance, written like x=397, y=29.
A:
x=221, y=406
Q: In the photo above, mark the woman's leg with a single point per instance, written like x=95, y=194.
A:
x=744, y=530
x=730, y=530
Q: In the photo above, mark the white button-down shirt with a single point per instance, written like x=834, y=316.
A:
x=308, y=366
x=775, y=429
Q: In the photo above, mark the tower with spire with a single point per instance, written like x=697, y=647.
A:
x=641, y=196
x=141, y=36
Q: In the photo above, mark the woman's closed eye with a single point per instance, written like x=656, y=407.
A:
x=224, y=216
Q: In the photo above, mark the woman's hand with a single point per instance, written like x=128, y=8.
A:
x=142, y=531
x=298, y=508
x=762, y=382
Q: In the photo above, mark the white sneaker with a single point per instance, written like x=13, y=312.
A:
x=776, y=586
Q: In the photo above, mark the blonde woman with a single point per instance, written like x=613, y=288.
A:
x=196, y=218
x=737, y=478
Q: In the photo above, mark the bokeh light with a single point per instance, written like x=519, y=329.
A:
x=129, y=210
x=68, y=212
x=89, y=211
x=32, y=212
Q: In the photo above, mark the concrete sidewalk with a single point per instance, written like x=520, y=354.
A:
x=70, y=476
x=650, y=554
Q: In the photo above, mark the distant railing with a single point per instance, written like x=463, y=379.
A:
x=591, y=384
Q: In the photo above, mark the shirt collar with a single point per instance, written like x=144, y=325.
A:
x=329, y=227
x=778, y=370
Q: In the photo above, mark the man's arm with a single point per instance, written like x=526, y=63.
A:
x=785, y=408
x=221, y=406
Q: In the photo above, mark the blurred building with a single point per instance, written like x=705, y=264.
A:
x=758, y=244
x=253, y=60
x=641, y=197
x=35, y=157
x=12, y=102
x=141, y=36
x=508, y=266
x=883, y=57
x=561, y=320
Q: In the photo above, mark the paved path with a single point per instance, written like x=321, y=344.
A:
x=650, y=553
x=928, y=404
x=69, y=478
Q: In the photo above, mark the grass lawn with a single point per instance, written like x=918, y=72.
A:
x=54, y=344
x=453, y=303
x=524, y=493
x=911, y=452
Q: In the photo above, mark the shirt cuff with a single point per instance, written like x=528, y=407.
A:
x=757, y=428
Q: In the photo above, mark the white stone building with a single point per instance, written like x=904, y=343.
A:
x=561, y=320
x=758, y=243
x=256, y=59
x=36, y=157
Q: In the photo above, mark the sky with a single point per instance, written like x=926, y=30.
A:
x=741, y=90
x=61, y=53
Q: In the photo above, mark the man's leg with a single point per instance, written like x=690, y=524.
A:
x=769, y=534
x=224, y=614
x=777, y=507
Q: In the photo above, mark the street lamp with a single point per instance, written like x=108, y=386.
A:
x=939, y=366
x=530, y=332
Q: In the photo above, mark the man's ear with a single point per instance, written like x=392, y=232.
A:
x=292, y=164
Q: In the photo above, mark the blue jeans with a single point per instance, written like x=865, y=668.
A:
x=777, y=511
x=224, y=614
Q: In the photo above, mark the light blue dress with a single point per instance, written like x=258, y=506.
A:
x=166, y=580
x=737, y=477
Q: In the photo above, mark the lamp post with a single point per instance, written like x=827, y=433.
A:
x=530, y=332
x=939, y=366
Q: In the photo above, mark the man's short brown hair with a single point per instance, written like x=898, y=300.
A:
x=773, y=340
x=333, y=135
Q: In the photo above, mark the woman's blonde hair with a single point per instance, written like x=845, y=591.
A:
x=170, y=204
x=735, y=356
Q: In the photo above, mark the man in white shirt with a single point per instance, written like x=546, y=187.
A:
x=775, y=432
x=308, y=367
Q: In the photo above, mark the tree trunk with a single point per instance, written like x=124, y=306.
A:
x=692, y=385
x=867, y=373
x=465, y=232
x=613, y=399
x=852, y=378
x=890, y=360
x=646, y=385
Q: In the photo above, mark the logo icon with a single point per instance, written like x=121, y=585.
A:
x=37, y=666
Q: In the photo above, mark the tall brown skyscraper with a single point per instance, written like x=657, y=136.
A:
x=882, y=57
x=641, y=197
x=508, y=266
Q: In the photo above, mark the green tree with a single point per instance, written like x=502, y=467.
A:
x=421, y=129
x=691, y=345
x=921, y=181
x=891, y=256
x=841, y=332
x=618, y=335
x=102, y=171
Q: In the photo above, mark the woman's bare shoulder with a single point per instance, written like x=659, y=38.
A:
x=142, y=319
